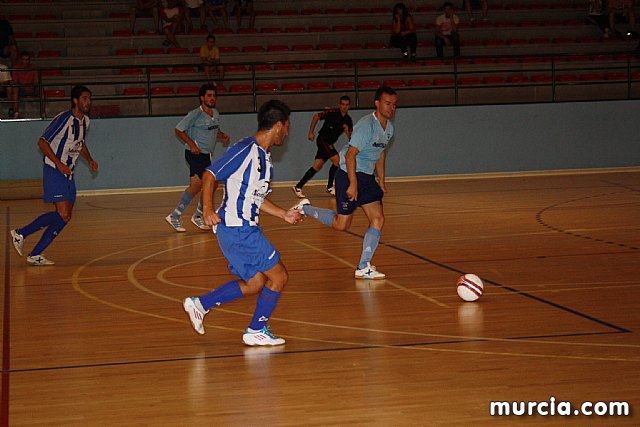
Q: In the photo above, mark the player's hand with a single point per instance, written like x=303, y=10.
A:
x=383, y=186
x=225, y=138
x=64, y=169
x=352, y=193
x=210, y=217
x=311, y=136
x=194, y=149
x=93, y=165
x=293, y=217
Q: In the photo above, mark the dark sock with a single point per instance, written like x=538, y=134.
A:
x=307, y=176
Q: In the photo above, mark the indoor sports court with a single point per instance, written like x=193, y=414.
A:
x=101, y=338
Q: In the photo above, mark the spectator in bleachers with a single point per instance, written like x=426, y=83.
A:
x=6, y=91
x=403, y=32
x=447, y=31
x=218, y=7
x=599, y=16
x=244, y=7
x=8, y=45
x=172, y=17
x=470, y=5
x=194, y=8
x=25, y=80
x=621, y=11
x=210, y=58
x=145, y=8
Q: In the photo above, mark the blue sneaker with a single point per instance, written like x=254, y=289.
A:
x=261, y=337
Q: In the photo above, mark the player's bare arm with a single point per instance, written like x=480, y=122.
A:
x=209, y=185
x=185, y=138
x=350, y=159
x=223, y=137
x=290, y=216
x=49, y=154
x=84, y=152
x=312, y=127
x=380, y=168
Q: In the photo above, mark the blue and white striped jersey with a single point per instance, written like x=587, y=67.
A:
x=247, y=170
x=65, y=134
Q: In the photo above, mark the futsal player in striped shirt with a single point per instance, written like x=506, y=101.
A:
x=198, y=130
x=247, y=171
x=356, y=186
x=61, y=143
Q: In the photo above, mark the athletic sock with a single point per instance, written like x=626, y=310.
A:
x=52, y=231
x=185, y=200
x=228, y=292
x=267, y=301
x=199, y=209
x=325, y=216
x=39, y=223
x=369, y=246
x=332, y=175
x=307, y=176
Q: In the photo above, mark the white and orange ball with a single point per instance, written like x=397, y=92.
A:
x=470, y=287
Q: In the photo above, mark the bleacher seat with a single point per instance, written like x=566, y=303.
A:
x=240, y=88
x=162, y=90
x=266, y=87
x=318, y=86
x=293, y=87
x=344, y=85
x=54, y=93
x=153, y=51
x=134, y=91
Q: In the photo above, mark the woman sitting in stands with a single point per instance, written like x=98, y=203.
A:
x=403, y=32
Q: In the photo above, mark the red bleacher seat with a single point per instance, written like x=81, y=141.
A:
x=327, y=46
x=240, y=88
x=615, y=76
x=541, y=78
x=350, y=46
x=270, y=30
x=126, y=52
x=54, y=93
x=247, y=31
x=493, y=80
x=482, y=60
x=507, y=60
x=359, y=10
x=266, y=87
x=384, y=64
x=278, y=48
x=375, y=45
x=311, y=12
x=45, y=17
x=119, y=15
x=494, y=42
x=234, y=68
x=286, y=67
x=342, y=28
x=47, y=34
x=183, y=70
x=222, y=49
x=336, y=65
x=394, y=83
x=288, y=12
x=344, y=85
x=318, y=86
x=364, y=64
x=419, y=82
x=518, y=79
x=293, y=87
x=162, y=90
x=131, y=71
x=563, y=40
x=147, y=33
x=469, y=81
x=217, y=31
x=153, y=51
x=263, y=67
x=517, y=41
x=380, y=10
x=122, y=33
x=566, y=78
x=591, y=77
x=295, y=30
x=366, y=27
x=471, y=43
x=134, y=91
x=319, y=29
x=311, y=66
x=22, y=35
x=159, y=70
x=368, y=84
x=299, y=47
x=333, y=11
x=253, y=49
x=52, y=73
x=178, y=50
x=540, y=40
x=49, y=54
x=19, y=17
x=444, y=81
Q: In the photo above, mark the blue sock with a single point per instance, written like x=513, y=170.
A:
x=39, y=223
x=369, y=246
x=267, y=301
x=228, y=292
x=199, y=209
x=325, y=216
x=184, y=201
x=52, y=231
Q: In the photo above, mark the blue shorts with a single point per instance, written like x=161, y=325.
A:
x=58, y=187
x=247, y=250
x=368, y=192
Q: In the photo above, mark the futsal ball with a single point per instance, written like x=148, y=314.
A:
x=469, y=287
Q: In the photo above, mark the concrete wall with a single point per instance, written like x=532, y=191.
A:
x=143, y=152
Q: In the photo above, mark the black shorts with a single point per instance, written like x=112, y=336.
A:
x=368, y=192
x=325, y=150
x=197, y=162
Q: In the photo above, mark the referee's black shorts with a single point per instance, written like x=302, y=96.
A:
x=197, y=162
x=326, y=150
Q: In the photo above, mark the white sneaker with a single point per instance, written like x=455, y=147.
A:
x=261, y=337
x=175, y=224
x=331, y=190
x=300, y=206
x=369, y=272
x=39, y=260
x=298, y=192
x=195, y=315
x=18, y=241
x=199, y=222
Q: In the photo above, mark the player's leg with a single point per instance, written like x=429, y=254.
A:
x=321, y=157
x=375, y=214
x=340, y=220
x=335, y=164
x=195, y=183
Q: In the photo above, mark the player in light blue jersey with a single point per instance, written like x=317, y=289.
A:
x=61, y=143
x=198, y=130
x=356, y=186
x=247, y=171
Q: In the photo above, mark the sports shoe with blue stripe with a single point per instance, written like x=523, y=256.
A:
x=261, y=337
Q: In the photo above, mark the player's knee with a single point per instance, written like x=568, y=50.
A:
x=66, y=216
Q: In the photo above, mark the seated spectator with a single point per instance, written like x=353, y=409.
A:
x=621, y=11
x=215, y=7
x=25, y=81
x=210, y=57
x=447, y=31
x=244, y=7
x=6, y=91
x=8, y=46
x=599, y=16
x=403, y=32
x=172, y=17
x=145, y=8
x=470, y=5
x=194, y=8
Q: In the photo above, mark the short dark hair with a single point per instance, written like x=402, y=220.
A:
x=448, y=4
x=272, y=112
x=77, y=91
x=384, y=89
x=25, y=53
x=205, y=87
x=345, y=98
x=210, y=36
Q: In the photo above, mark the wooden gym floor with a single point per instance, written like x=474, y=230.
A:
x=101, y=338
